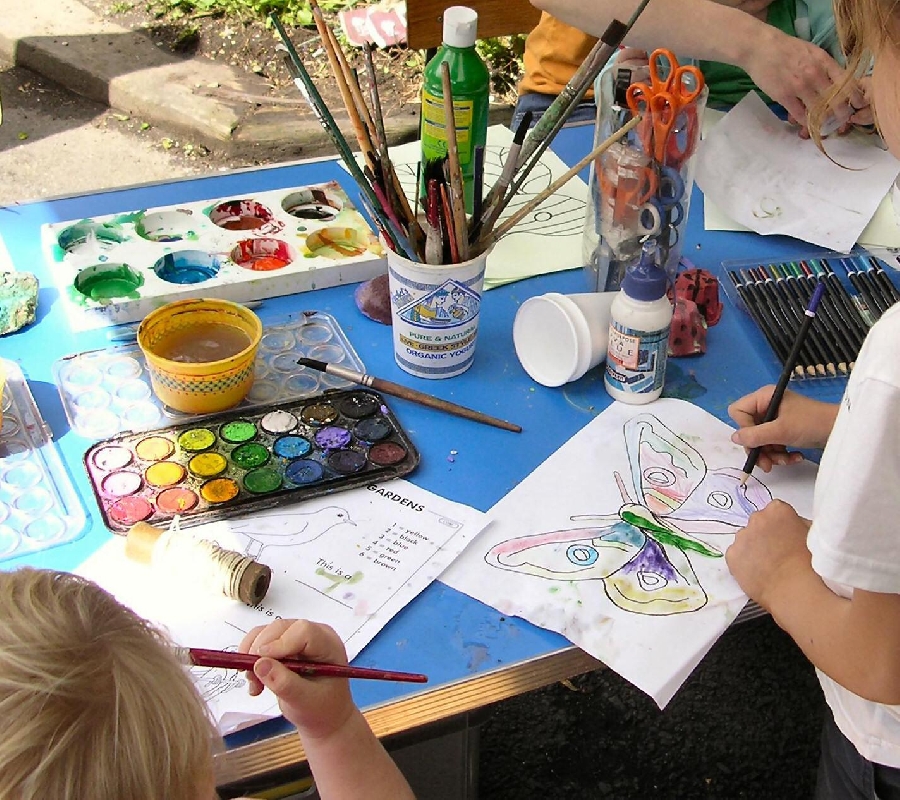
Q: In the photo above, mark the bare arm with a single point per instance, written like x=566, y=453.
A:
x=345, y=756
x=791, y=71
x=855, y=641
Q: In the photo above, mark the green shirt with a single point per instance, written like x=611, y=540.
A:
x=728, y=84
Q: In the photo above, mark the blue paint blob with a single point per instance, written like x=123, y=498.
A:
x=332, y=437
x=373, y=429
x=187, y=266
x=304, y=471
x=291, y=447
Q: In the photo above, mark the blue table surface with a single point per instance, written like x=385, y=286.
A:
x=443, y=633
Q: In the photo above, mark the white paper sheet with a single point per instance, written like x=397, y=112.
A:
x=548, y=239
x=756, y=169
x=352, y=560
x=647, y=602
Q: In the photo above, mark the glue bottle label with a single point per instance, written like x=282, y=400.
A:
x=636, y=360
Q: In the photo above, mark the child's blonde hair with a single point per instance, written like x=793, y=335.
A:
x=865, y=28
x=93, y=703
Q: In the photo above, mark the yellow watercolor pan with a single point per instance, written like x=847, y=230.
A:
x=239, y=461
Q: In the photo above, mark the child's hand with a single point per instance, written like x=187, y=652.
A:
x=316, y=706
x=801, y=422
x=769, y=552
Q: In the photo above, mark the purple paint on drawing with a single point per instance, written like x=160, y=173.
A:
x=332, y=437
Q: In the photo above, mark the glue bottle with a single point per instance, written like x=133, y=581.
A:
x=470, y=83
x=640, y=319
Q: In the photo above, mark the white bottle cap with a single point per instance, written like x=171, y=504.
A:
x=460, y=26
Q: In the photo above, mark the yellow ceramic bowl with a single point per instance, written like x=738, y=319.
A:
x=199, y=387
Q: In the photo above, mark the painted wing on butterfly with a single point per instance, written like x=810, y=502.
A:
x=641, y=554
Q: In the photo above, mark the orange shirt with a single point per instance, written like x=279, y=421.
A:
x=553, y=52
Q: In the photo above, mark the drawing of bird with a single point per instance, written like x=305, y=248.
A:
x=289, y=528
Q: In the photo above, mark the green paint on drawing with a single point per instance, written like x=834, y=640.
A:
x=337, y=579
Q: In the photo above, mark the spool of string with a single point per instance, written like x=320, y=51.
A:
x=199, y=561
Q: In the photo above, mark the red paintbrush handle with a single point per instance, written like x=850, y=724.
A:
x=310, y=669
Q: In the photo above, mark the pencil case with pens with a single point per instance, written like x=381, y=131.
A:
x=859, y=288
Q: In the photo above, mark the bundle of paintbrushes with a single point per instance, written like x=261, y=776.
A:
x=776, y=296
x=445, y=235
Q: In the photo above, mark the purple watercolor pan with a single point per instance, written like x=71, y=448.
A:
x=236, y=462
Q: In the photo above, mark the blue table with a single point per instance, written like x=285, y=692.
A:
x=473, y=655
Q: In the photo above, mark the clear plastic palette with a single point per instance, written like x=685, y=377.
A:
x=38, y=505
x=105, y=392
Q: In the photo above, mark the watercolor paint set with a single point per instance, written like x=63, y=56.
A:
x=237, y=462
x=39, y=508
x=859, y=288
x=107, y=391
x=119, y=267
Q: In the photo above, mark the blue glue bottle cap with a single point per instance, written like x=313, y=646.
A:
x=646, y=280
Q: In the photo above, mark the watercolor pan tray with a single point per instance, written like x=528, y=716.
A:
x=107, y=391
x=39, y=508
x=237, y=462
x=119, y=267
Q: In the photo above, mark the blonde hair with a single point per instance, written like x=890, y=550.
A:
x=93, y=703
x=865, y=28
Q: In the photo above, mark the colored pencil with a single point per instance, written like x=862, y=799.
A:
x=781, y=386
x=866, y=302
x=855, y=322
x=763, y=321
x=222, y=659
x=819, y=350
x=395, y=389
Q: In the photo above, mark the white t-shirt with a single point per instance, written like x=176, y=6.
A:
x=855, y=535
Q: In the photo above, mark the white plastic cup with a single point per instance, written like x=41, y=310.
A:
x=434, y=314
x=558, y=337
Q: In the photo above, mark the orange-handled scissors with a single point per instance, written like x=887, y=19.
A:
x=659, y=112
x=666, y=75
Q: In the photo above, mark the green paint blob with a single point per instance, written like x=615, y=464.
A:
x=262, y=481
x=667, y=535
x=109, y=282
x=196, y=440
x=238, y=431
x=250, y=455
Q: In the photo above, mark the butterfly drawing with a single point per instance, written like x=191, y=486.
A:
x=643, y=552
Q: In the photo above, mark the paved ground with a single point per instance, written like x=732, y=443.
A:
x=746, y=723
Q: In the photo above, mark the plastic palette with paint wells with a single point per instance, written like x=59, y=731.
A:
x=237, y=462
x=105, y=392
x=119, y=267
x=39, y=508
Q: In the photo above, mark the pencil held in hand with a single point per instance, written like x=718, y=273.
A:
x=781, y=386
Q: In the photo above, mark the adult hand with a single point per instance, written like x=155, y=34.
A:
x=316, y=706
x=799, y=75
x=769, y=552
x=801, y=422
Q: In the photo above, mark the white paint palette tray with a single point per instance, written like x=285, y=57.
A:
x=105, y=392
x=119, y=267
x=38, y=504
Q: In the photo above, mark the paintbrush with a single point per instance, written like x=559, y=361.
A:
x=786, y=372
x=395, y=389
x=488, y=236
x=222, y=659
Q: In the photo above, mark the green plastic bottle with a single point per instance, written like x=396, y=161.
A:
x=470, y=82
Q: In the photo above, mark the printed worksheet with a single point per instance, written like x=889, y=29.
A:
x=352, y=560
x=617, y=541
